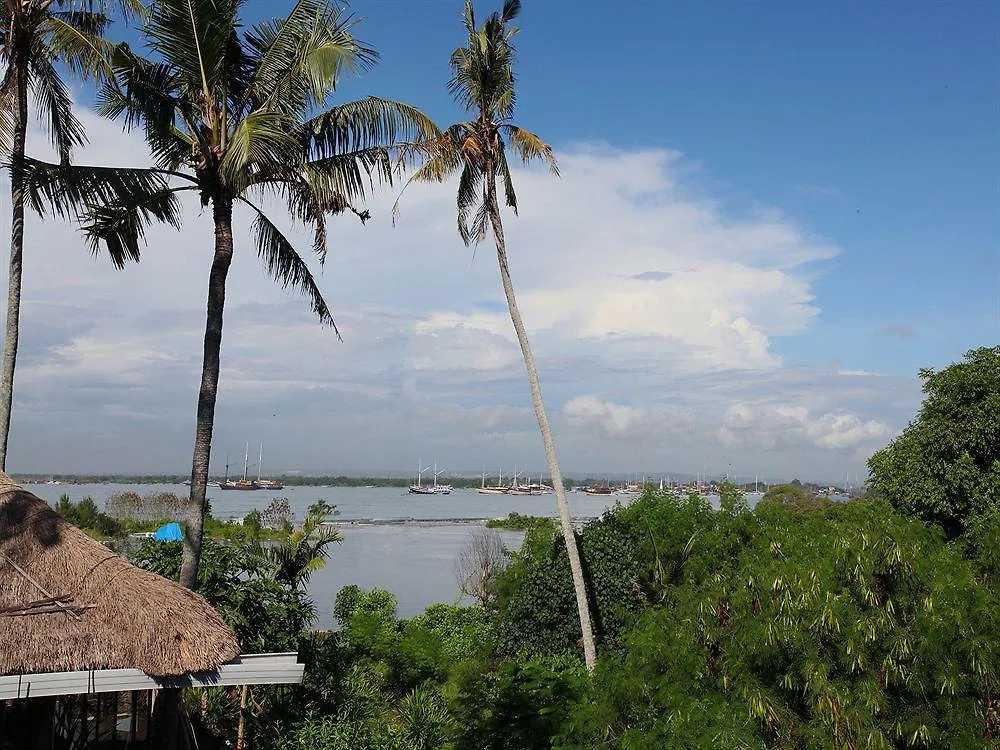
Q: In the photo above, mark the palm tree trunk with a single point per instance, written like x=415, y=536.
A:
x=222, y=210
x=566, y=521
x=16, y=253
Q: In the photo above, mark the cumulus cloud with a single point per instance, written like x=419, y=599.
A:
x=610, y=419
x=655, y=311
x=776, y=425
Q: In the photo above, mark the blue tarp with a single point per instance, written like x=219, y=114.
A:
x=169, y=532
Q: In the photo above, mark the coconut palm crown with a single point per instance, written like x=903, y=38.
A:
x=35, y=36
x=483, y=82
x=235, y=115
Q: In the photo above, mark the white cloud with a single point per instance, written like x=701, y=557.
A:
x=654, y=312
x=778, y=425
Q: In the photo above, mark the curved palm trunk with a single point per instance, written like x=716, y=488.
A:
x=222, y=211
x=566, y=521
x=16, y=253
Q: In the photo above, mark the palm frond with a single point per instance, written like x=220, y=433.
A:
x=146, y=94
x=363, y=124
x=259, y=144
x=75, y=37
x=64, y=129
x=122, y=223
x=8, y=104
x=193, y=37
x=70, y=190
x=437, y=167
x=508, y=182
x=481, y=222
x=469, y=195
x=530, y=147
x=298, y=60
x=286, y=266
x=352, y=174
x=511, y=10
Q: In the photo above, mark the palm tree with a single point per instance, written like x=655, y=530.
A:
x=294, y=559
x=234, y=114
x=35, y=35
x=482, y=81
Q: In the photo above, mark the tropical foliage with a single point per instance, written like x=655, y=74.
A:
x=945, y=466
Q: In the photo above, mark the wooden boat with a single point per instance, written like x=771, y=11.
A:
x=496, y=489
x=239, y=484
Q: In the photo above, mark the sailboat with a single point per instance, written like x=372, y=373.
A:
x=539, y=488
x=417, y=489
x=266, y=484
x=496, y=489
x=239, y=484
x=440, y=489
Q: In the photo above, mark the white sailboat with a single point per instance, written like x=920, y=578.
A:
x=417, y=489
x=496, y=489
x=440, y=489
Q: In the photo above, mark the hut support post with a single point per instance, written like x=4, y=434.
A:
x=166, y=723
x=242, y=728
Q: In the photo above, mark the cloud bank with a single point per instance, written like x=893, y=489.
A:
x=654, y=308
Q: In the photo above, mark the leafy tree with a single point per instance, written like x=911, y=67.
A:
x=35, y=37
x=86, y=516
x=786, y=493
x=233, y=114
x=482, y=82
x=731, y=497
x=842, y=626
x=945, y=466
x=538, y=614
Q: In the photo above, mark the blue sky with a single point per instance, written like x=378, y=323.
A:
x=874, y=124
x=773, y=213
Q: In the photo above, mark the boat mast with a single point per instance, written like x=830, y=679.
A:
x=246, y=459
x=260, y=457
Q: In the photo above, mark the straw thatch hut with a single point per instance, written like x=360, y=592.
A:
x=78, y=620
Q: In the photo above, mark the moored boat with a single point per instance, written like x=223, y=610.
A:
x=269, y=484
x=239, y=484
x=495, y=489
x=418, y=489
x=603, y=489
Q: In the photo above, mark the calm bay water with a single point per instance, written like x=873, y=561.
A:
x=412, y=560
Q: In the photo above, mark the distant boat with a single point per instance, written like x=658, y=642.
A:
x=496, y=489
x=265, y=484
x=539, y=488
x=417, y=489
x=603, y=489
x=239, y=484
x=440, y=489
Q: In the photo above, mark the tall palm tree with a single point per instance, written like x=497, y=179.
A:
x=482, y=81
x=35, y=35
x=234, y=114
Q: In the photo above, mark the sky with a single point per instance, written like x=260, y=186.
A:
x=770, y=216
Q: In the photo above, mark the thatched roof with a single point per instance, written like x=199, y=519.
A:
x=106, y=613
